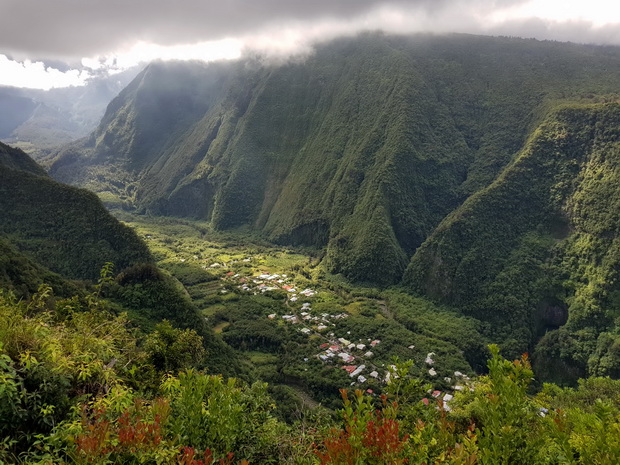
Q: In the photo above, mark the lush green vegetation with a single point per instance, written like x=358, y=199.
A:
x=478, y=172
x=535, y=253
x=219, y=271
x=63, y=228
x=23, y=276
x=51, y=233
x=482, y=174
x=79, y=384
x=364, y=147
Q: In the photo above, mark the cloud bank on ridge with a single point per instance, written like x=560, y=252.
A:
x=106, y=36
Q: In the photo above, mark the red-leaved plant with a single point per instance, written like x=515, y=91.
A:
x=369, y=436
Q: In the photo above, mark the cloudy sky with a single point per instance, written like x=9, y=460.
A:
x=55, y=43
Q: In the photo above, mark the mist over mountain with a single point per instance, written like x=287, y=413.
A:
x=36, y=119
x=362, y=148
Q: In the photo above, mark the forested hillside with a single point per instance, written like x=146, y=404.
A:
x=60, y=236
x=478, y=172
x=538, y=248
x=364, y=147
x=66, y=229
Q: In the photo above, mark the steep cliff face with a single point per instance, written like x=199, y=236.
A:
x=539, y=247
x=364, y=147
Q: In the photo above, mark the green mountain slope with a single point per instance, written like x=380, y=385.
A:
x=364, y=147
x=539, y=247
x=51, y=233
x=16, y=159
x=64, y=228
x=22, y=276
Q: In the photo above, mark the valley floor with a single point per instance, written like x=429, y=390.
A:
x=300, y=328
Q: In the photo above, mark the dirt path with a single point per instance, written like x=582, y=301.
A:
x=305, y=397
x=219, y=328
x=385, y=310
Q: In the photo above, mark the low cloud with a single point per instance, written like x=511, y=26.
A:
x=115, y=35
x=579, y=31
x=67, y=29
x=37, y=75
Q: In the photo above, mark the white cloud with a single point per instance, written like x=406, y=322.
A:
x=143, y=52
x=597, y=12
x=283, y=29
x=37, y=75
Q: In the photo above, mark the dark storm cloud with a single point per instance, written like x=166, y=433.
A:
x=74, y=28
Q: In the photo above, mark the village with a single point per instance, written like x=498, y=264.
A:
x=354, y=357
x=303, y=309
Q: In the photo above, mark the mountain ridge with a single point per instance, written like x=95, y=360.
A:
x=536, y=252
x=443, y=160
x=301, y=151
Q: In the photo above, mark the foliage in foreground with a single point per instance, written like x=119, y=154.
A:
x=79, y=385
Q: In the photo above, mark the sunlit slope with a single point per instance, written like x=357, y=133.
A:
x=363, y=147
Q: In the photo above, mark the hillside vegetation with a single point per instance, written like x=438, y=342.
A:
x=538, y=248
x=478, y=172
x=66, y=229
x=126, y=367
x=60, y=236
x=364, y=147
x=79, y=386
